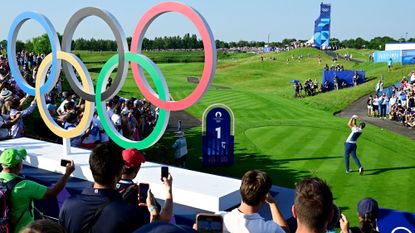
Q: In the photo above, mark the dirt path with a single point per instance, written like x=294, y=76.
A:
x=359, y=108
x=188, y=121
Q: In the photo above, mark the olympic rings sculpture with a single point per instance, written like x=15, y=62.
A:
x=85, y=88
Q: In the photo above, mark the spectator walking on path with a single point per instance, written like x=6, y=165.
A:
x=370, y=106
x=390, y=64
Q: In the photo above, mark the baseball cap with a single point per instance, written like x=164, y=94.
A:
x=50, y=106
x=137, y=102
x=11, y=157
x=363, y=124
x=368, y=206
x=133, y=157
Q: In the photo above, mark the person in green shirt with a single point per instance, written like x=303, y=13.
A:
x=26, y=190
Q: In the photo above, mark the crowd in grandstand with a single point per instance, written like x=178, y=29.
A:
x=12, y=99
x=396, y=103
x=133, y=118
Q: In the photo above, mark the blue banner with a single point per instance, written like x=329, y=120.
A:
x=218, y=143
x=396, y=221
x=344, y=77
x=322, y=27
x=408, y=57
x=384, y=56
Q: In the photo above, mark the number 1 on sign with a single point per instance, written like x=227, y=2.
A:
x=218, y=132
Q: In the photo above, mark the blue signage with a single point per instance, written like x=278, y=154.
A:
x=218, y=142
x=408, y=57
x=322, y=27
x=396, y=221
x=384, y=56
x=344, y=78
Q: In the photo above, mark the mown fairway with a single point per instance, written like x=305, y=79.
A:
x=292, y=138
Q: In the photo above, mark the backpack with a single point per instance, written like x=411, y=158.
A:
x=5, y=205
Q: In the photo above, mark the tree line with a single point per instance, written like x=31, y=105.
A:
x=41, y=44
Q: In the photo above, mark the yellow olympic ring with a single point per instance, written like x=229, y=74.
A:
x=40, y=99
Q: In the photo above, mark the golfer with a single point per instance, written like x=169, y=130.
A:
x=350, y=144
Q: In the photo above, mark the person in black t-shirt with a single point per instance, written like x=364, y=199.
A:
x=101, y=208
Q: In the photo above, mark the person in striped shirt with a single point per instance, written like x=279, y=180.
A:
x=350, y=146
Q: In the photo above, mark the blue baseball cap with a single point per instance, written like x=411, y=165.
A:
x=368, y=206
x=50, y=106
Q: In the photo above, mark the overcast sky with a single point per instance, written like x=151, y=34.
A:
x=229, y=20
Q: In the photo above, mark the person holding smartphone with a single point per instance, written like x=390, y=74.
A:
x=135, y=194
x=25, y=191
x=100, y=208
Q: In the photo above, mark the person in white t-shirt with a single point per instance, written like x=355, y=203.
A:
x=350, y=146
x=67, y=98
x=412, y=80
x=254, y=190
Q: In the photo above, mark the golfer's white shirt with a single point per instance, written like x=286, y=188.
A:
x=354, y=135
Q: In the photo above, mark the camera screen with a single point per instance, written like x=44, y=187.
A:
x=143, y=192
x=164, y=172
x=209, y=225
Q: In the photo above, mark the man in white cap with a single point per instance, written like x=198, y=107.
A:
x=5, y=94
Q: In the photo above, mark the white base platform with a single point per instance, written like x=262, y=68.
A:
x=190, y=188
x=198, y=190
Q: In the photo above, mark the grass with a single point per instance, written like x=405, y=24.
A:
x=293, y=138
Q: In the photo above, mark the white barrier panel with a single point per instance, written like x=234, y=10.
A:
x=195, y=189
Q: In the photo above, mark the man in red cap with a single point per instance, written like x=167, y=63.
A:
x=129, y=190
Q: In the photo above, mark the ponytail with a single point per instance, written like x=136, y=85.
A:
x=368, y=224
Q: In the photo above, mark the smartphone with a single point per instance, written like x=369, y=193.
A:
x=335, y=222
x=143, y=187
x=164, y=172
x=65, y=162
x=209, y=223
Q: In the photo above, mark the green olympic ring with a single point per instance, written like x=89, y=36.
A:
x=161, y=87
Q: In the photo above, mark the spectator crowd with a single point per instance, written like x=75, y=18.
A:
x=396, y=103
x=132, y=117
x=311, y=88
x=114, y=203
